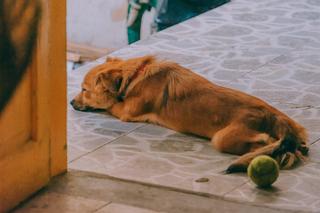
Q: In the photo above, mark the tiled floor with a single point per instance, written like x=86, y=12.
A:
x=82, y=192
x=268, y=48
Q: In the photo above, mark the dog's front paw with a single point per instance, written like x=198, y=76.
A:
x=124, y=118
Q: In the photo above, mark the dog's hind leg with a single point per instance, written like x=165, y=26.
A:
x=238, y=139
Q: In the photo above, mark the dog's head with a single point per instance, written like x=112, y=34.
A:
x=99, y=89
x=103, y=85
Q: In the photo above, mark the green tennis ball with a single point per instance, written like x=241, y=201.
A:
x=263, y=171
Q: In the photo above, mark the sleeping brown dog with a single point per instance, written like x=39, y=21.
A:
x=165, y=93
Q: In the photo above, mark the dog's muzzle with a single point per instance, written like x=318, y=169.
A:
x=84, y=108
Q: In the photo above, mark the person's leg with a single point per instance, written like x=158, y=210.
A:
x=134, y=19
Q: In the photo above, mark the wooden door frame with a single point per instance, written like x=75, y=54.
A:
x=31, y=166
x=51, y=58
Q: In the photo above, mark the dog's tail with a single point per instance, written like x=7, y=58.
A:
x=292, y=144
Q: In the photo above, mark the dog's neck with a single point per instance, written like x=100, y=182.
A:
x=138, y=72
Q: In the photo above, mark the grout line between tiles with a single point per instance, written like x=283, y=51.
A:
x=263, y=65
x=237, y=187
x=98, y=147
x=102, y=206
x=316, y=141
x=259, y=67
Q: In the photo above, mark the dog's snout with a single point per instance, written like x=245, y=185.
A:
x=81, y=107
x=74, y=104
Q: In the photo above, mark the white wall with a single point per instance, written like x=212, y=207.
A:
x=100, y=23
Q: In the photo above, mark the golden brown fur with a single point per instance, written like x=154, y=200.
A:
x=165, y=93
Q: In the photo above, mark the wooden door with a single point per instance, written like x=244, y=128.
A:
x=33, y=125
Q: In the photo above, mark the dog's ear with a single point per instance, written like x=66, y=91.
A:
x=131, y=67
x=137, y=63
x=110, y=81
x=117, y=83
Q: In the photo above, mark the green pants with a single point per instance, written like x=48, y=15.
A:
x=136, y=10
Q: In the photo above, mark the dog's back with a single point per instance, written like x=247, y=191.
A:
x=205, y=109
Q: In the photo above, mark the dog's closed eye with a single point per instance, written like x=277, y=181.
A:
x=118, y=83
